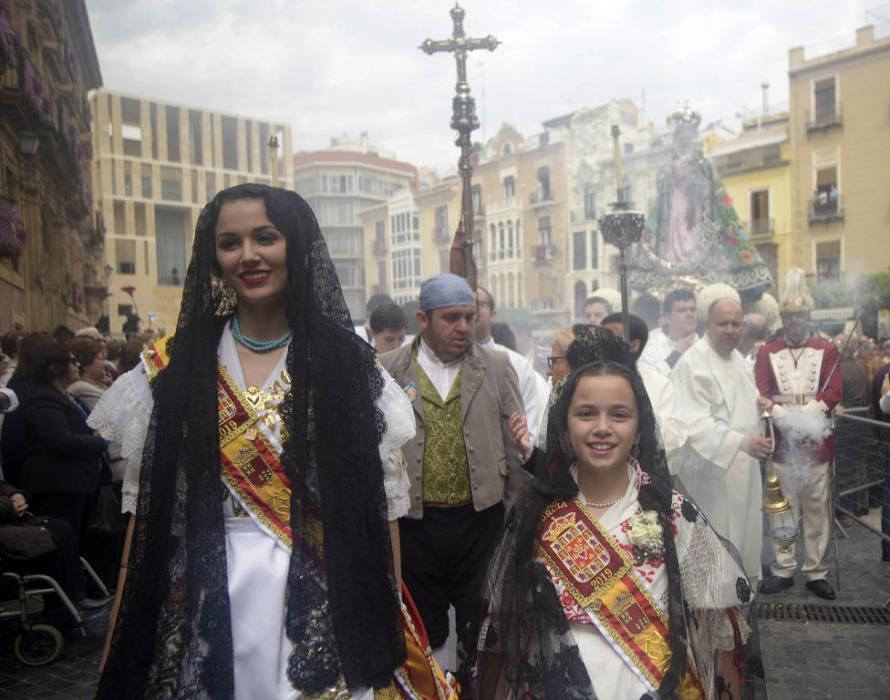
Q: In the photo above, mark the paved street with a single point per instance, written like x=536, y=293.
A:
x=802, y=659
x=831, y=660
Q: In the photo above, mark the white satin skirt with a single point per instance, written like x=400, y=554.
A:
x=257, y=566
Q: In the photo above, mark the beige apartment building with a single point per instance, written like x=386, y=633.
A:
x=840, y=167
x=520, y=196
x=339, y=183
x=155, y=167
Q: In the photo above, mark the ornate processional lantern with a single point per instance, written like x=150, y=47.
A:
x=621, y=228
x=464, y=121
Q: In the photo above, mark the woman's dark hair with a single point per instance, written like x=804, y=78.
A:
x=555, y=482
x=331, y=458
x=85, y=350
x=46, y=362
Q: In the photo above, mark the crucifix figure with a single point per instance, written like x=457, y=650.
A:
x=464, y=121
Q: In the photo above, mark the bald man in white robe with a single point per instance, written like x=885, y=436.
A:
x=716, y=398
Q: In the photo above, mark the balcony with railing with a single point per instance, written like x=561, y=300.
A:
x=761, y=227
x=543, y=254
x=540, y=198
x=501, y=206
x=825, y=208
x=824, y=120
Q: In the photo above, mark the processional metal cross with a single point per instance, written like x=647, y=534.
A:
x=464, y=121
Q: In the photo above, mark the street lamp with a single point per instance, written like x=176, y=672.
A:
x=622, y=227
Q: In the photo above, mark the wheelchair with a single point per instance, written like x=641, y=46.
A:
x=37, y=643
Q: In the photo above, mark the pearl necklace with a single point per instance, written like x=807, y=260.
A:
x=603, y=505
x=258, y=345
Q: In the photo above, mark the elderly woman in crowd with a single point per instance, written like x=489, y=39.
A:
x=94, y=376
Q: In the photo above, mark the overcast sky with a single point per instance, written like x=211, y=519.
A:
x=336, y=68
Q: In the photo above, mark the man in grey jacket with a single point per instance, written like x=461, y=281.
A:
x=461, y=463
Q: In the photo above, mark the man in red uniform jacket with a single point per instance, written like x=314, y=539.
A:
x=799, y=382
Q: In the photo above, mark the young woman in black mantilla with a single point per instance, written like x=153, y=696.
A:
x=263, y=465
x=608, y=583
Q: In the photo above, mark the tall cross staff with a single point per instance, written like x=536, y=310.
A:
x=464, y=121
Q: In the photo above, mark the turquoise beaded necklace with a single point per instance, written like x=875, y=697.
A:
x=258, y=345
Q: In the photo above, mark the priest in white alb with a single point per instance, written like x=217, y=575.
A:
x=716, y=398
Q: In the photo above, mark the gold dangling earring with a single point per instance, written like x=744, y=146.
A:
x=223, y=297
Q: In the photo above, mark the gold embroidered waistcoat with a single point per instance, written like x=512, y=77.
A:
x=446, y=470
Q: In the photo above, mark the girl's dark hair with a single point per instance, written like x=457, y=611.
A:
x=555, y=482
x=47, y=361
x=592, y=343
x=331, y=458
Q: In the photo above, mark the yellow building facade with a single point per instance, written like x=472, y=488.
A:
x=155, y=167
x=755, y=169
x=840, y=159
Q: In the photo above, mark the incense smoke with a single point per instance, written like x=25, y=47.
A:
x=803, y=432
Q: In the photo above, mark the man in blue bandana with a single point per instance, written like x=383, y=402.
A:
x=461, y=463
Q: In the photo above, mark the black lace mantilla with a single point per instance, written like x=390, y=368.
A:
x=174, y=637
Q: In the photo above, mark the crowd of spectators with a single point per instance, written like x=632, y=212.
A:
x=59, y=479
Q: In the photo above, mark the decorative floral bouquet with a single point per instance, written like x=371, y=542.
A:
x=646, y=537
x=12, y=230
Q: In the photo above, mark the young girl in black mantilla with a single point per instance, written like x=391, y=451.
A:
x=609, y=584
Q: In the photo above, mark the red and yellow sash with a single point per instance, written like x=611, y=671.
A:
x=598, y=574
x=251, y=467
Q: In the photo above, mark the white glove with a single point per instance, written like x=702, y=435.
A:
x=778, y=411
x=815, y=407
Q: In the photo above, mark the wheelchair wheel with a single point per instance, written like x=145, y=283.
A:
x=38, y=646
